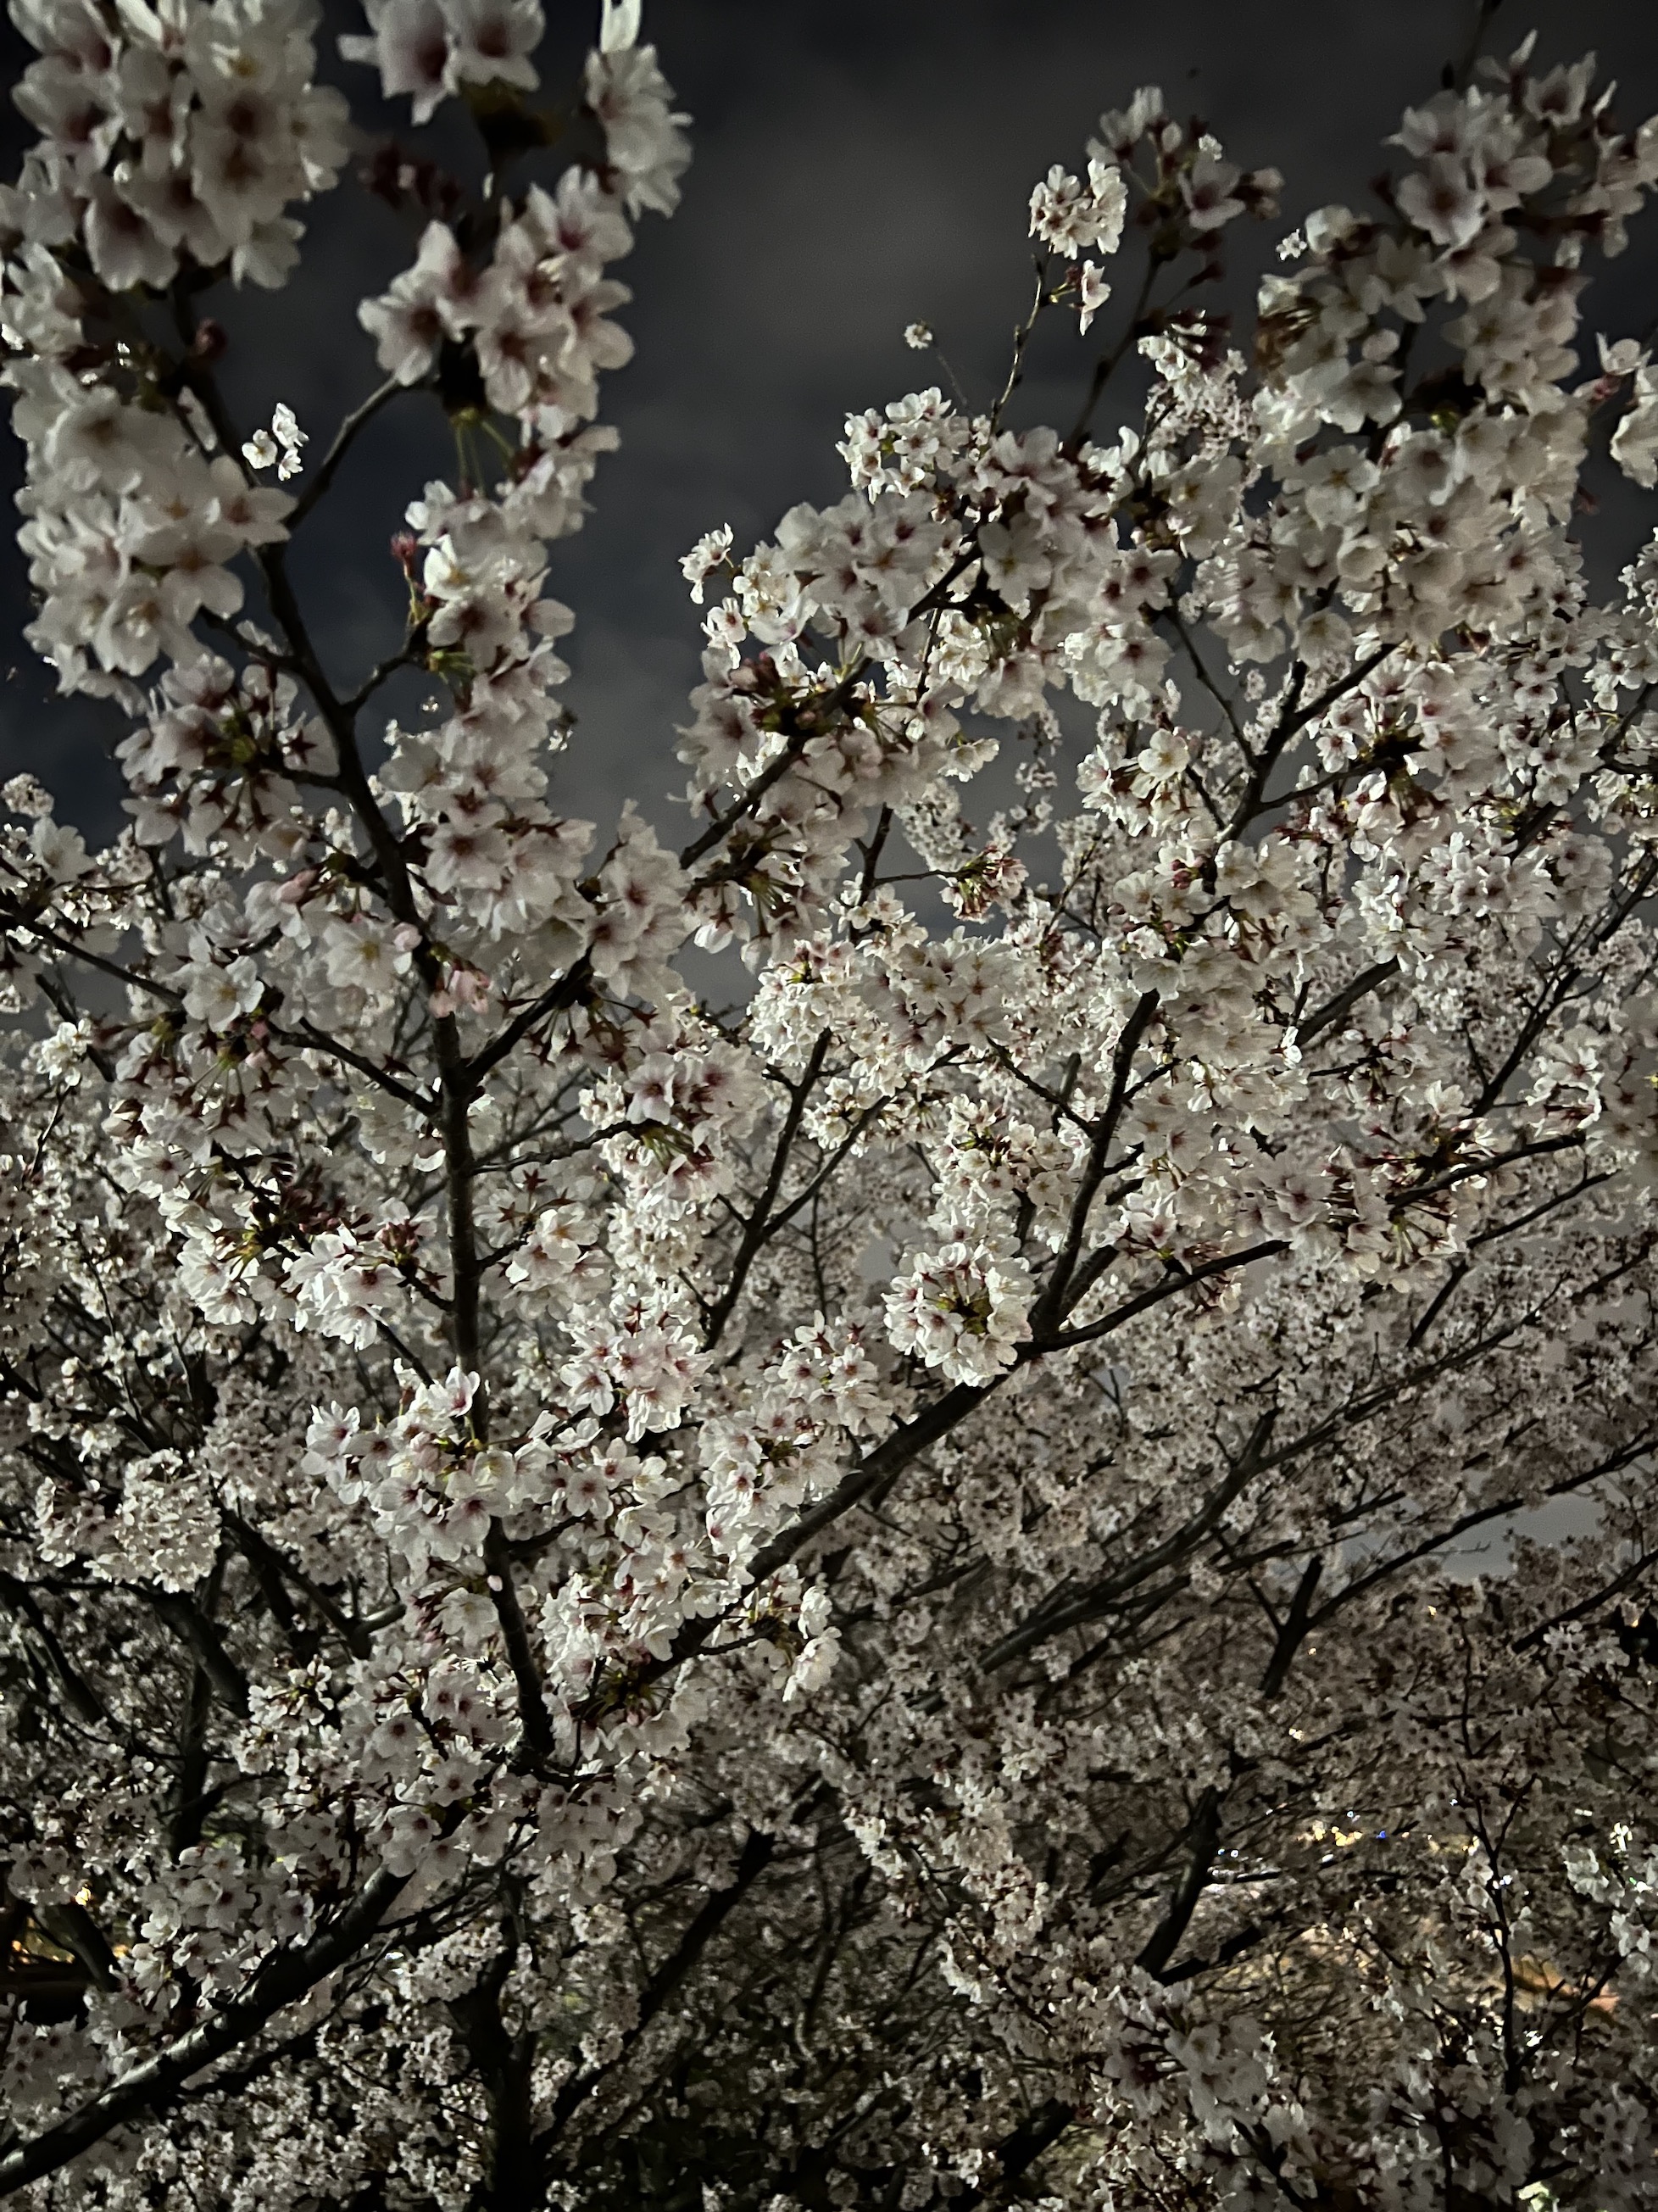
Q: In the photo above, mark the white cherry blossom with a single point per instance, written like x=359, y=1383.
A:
x=912, y=1580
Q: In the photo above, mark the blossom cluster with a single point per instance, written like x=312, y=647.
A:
x=173, y=137
x=853, y=1576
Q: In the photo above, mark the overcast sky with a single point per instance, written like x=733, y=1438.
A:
x=859, y=164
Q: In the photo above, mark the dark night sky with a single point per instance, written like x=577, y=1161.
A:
x=858, y=165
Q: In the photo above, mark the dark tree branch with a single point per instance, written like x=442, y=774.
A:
x=1205, y=1833
x=154, y=2087
x=758, y=1226
x=755, y=1857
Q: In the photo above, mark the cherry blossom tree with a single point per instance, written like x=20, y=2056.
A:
x=847, y=1599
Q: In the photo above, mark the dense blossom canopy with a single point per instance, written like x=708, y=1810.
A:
x=842, y=1600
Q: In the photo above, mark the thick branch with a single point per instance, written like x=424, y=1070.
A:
x=1204, y=1831
x=83, y=1700
x=1050, y=1307
x=1182, y=1280
x=753, y=1860
x=1053, y=1620
x=505, y=2064
x=1344, y=1000
x=531, y=1702
x=1020, y=2149
x=185, y=1618
x=153, y=2087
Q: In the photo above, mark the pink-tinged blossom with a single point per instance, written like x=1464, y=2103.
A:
x=1069, y=216
x=958, y=1486
x=410, y=46
x=961, y=1310
x=645, y=140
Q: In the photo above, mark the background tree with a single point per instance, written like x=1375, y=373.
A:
x=627, y=1580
